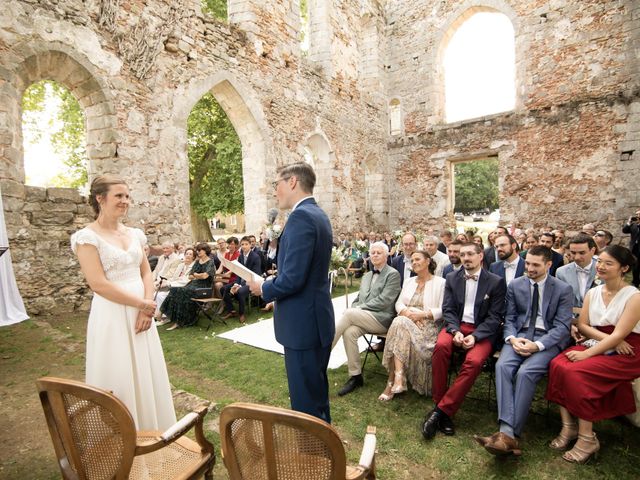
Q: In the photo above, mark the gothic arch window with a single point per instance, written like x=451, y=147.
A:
x=395, y=117
x=479, y=65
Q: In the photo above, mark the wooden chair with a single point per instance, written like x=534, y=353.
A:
x=94, y=437
x=270, y=443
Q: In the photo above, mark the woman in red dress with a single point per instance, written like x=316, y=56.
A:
x=592, y=381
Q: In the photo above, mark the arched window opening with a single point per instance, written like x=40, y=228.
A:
x=215, y=8
x=395, y=117
x=54, y=137
x=317, y=153
x=305, y=27
x=215, y=169
x=479, y=67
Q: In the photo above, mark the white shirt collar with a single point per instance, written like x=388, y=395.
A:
x=542, y=282
x=300, y=201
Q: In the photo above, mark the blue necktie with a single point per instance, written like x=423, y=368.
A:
x=534, y=312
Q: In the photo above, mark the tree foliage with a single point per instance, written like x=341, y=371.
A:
x=215, y=163
x=216, y=8
x=66, y=127
x=476, y=185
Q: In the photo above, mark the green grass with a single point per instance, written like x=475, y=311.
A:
x=223, y=372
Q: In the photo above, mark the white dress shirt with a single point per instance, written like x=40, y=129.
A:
x=407, y=267
x=510, y=269
x=539, y=319
x=470, y=290
x=583, y=278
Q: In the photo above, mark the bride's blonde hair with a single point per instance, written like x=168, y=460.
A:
x=100, y=186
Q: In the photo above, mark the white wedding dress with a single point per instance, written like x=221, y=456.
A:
x=130, y=365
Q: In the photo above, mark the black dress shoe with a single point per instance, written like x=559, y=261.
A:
x=446, y=424
x=430, y=425
x=353, y=383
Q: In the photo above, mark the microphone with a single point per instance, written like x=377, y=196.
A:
x=271, y=215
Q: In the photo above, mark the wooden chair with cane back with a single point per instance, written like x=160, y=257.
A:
x=94, y=437
x=263, y=442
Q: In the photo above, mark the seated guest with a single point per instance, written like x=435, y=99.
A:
x=453, y=252
x=391, y=243
x=271, y=256
x=179, y=278
x=462, y=238
x=402, y=263
x=579, y=274
x=231, y=253
x=592, y=381
x=167, y=262
x=473, y=310
x=178, y=306
x=413, y=333
x=522, y=238
x=490, y=254
x=239, y=287
x=446, y=238
x=547, y=239
x=509, y=264
x=531, y=240
x=152, y=259
x=536, y=329
x=371, y=312
x=589, y=229
x=603, y=239
x=558, y=244
x=441, y=259
x=477, y=239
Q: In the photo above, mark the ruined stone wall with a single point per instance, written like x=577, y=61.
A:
x=561, y=151
x=137, y=68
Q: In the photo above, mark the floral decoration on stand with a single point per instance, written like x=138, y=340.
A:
x=273, y=231
x=339, y=259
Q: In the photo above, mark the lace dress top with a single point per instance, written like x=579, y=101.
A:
x=118, y=264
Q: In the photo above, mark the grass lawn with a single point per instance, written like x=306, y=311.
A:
x=223, y=372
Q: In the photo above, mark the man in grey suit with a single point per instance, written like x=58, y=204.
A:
x=536, y=329
x=371, y=312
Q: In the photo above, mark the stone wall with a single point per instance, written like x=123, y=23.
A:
x=563, y=152
x=568, y=152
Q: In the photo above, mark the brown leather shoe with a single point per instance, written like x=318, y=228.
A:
x=242, y=319
x=229, y=315
x=484, y=441
x=503, y=444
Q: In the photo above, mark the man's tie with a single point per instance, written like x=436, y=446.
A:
x=586, y=271
x=471, y=277
x=375, y=271
x=509, y=265
x=534, y=312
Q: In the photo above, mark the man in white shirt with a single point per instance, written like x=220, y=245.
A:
x=402, y=263
x=441, y=259
x=510, y=264
x=166, y=263
x=536, y=329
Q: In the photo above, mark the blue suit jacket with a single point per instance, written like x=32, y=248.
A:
x=303, y=313
x=252, y=261
x=567, y=273
x=488, y=311
x=498, y=268
x=557, y=308
x=398, y=264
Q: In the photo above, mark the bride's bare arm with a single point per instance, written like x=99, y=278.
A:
x=94, y=274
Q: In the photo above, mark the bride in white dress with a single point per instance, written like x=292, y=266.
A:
x=124, y=354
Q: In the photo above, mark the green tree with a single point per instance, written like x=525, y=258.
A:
x=66, y=126
x=476, y=185
x=215, y=165
x=216, y=8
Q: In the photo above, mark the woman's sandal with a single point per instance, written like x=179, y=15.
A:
x=385, y=397
x=585, y=448
x=399, y=375
x=562, y=441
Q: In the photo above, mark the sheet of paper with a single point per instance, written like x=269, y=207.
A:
x=240, y=270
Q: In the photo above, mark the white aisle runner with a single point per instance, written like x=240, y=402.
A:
x=261, y=335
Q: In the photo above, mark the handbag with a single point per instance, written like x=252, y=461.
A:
x=203, y=293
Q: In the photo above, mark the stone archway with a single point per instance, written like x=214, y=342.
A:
x=245, y=114
x=376, y=196
x=323, y=163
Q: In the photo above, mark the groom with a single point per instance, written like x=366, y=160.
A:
x=303, y=314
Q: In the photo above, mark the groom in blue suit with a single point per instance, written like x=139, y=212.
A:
x=303, y=315
x=536, y=329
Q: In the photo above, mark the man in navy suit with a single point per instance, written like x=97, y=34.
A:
x=548, y=239
x=473, y=310
x=402, y=263
x=536, y=329
x=239, y=288
x=510, y=265
x=490, y=253
x=453, y=252
x=303, y=314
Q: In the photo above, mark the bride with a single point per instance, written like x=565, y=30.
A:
x=124, y=354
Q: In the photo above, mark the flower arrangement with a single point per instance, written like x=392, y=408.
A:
x=339, y=259
x=273, y=231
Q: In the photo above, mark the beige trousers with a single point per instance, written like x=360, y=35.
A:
x=354, y=323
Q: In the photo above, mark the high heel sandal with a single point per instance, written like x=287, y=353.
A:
x=403, y=383
x=562, y=441
x=384, y=397
x=585, y=448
